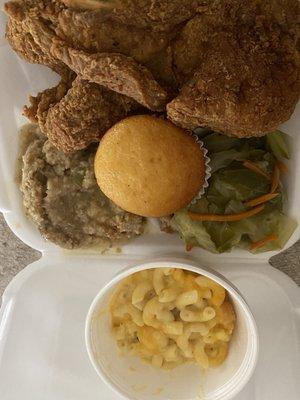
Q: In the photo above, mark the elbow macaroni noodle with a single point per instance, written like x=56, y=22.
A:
x=169, y=316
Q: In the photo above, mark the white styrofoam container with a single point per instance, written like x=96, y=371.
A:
x=20, y=79
x=42, y=320
x=186, y=382
x=42, y=354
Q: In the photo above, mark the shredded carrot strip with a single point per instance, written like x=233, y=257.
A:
x=282, y=167
x=260, y=199
x=253, y=167
x=262, y=242
x=275, y=179
x=188, y=247
x=226, y=217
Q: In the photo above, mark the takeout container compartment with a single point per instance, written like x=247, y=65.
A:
x=136, y=380
x=34, y=78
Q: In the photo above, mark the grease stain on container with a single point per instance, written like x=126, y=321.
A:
x=158, y=391
x=139, y=387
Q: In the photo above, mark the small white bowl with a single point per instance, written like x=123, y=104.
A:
x=135, y=380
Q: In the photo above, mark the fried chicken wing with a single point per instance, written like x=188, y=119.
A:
x=74, y=115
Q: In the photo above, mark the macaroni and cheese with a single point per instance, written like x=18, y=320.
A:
x=169, y=316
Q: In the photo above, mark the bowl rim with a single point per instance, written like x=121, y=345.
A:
x=197, y=267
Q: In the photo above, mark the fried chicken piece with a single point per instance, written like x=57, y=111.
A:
x=74, y=115
x=40, y=104
x=24, y=44
x=150, y=47
x=162, y=68
x=116, y=72
x=112, y=70
x=45, y=9
x=247, y=70
x=158, y=15
x=95, y=33
x=190, y=47
x=91, y=4
x=236, y=61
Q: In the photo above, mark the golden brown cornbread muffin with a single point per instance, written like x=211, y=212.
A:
x=148, y=166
